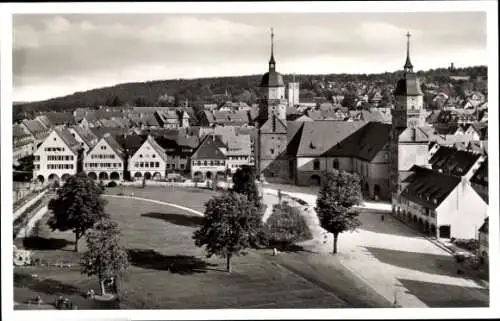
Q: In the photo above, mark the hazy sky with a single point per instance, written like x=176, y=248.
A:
x=56, y=55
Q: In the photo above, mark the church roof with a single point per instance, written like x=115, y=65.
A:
x=320, y=136
x=272, y=79
x=364, y=144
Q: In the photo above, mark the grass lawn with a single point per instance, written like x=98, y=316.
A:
x=169, y=272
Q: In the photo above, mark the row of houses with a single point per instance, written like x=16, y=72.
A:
x=105, y=155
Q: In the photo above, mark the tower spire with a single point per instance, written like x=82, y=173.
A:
x=408, y=67
x=272, y=62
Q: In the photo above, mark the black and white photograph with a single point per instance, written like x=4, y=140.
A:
x=272, y=159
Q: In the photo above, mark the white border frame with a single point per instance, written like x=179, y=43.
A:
x=6, y=11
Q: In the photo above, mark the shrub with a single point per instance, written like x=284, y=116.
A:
x=112, y=184
x=286, y=225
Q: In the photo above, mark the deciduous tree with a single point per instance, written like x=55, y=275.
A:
x=230, y=226
x=339, y=193
x=77, y=207
x=244, y=182
x=105, y=257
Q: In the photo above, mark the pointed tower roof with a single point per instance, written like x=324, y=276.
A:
x=272, y=62
x=272, y=78
x=408, y=67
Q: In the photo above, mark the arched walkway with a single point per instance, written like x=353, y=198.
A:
x=137, y=175
x=315, y=180
x=103, y=175
x=433, y=230
x=92, y=175
x=376, y=191
x=157, y=176
x=147, y=175
x=114, y=176
x=208, y=175
x=426, y=227
x=53, y=177
x=41, y=179
x=65, y=177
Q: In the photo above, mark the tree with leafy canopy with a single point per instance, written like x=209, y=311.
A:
x=105, y=256
x=230, y=226
x=77, y=207
x=340, y=192
x=244, y=182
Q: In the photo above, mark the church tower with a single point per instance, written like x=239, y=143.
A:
x=272, y=127
x=409, y=139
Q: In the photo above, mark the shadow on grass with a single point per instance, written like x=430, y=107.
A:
x=177, y=264
x=48, y=286
x=286, y=247
x=437, y=295
x=42, y=243
x=423, y=262
x=177, y=219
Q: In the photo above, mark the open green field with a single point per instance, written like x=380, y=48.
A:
x=169, y=272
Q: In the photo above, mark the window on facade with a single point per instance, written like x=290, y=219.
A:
x=336, y=163
x=272, y=150
x=182, y=166
x=153, y=155
x=168, y=165
x=205, y=163
x=173, y=166
x=140, y=156
x=211, y=163
x=316, y=165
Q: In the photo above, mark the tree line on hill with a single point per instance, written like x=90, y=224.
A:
x=196, y=92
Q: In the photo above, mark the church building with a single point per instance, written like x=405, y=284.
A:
x=272, y=143
x=410, y=135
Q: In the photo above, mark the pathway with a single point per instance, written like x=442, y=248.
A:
x=393, y=259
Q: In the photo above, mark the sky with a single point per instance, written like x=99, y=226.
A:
x=55, y=55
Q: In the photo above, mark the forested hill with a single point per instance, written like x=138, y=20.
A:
x=242, y=88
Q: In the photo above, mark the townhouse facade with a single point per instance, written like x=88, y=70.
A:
x=148, y=162
x=106, y=160
x=57, y=157
x=209, y=161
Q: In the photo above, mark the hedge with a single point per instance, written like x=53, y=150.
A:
x=286, y=226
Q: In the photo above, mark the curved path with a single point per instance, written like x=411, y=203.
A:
x=157, y=202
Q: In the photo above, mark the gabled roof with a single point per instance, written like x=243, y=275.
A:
x=68, y=139
x=429, y=188
x=44, y=120
x=157, y=148
x=238, y=145
x=56, y=118
x=320, y=136
x=115, y=146
x=364, y=143
x=210, y=148
x=34, y=126
x=452, y=161
x=100, y=131
x=19, y=132
x=130, y=143
x=86, y=135
x=480, y=178
x=485, y=227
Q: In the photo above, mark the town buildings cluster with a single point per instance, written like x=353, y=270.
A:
x=435, y=176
